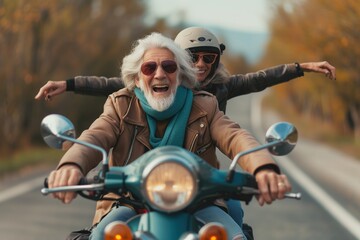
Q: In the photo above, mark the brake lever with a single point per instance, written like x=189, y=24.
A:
x=89, y=187
x=83, y=181
x=82, y=186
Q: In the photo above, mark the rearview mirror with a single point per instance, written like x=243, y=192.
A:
x=54, y=128
x=286, y=134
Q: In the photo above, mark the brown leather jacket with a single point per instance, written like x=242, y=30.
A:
x=123, y=127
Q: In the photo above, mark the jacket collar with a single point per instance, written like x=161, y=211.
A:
x=196, y=112
x=134, y=114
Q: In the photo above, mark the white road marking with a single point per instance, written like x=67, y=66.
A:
x=335, y=209
x=21, y=188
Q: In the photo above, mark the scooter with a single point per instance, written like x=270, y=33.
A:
x=169, y=182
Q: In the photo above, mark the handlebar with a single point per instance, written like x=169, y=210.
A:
x=83, y=185
x=88, y=187
x=254, y=191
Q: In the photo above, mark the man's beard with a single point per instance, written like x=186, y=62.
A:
x=158, y=104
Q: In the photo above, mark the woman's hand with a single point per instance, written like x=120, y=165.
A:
x=320, y=67
x=51, y=89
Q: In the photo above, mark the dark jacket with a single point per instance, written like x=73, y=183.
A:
x=122, y=126
x=223, y=85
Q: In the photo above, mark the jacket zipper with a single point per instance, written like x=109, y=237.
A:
x=192, y=146
x=203, y=149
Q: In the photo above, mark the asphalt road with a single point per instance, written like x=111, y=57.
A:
x=328, y=181
x=26, y=214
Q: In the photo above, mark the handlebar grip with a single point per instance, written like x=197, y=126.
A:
x=46, y=184
x=83, y=181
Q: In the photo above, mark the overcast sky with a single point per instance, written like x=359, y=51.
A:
x=243, y=15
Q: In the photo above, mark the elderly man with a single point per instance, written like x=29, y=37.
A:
x=158, y=107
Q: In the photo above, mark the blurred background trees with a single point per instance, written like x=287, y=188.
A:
x=320, y=30
x=43, y=40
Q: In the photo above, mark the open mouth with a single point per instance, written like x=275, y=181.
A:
x=201, y=71
x=160, y=88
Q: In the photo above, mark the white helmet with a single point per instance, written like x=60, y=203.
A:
x=197, y=39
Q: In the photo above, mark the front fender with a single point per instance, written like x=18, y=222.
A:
x=164, y=226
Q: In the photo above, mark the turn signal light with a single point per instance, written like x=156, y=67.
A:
x=213, y=231
x=117, y=230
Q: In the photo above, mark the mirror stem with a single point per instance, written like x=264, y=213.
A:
x=230, y=175
x=103, y=152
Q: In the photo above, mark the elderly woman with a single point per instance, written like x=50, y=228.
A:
x=158, y=107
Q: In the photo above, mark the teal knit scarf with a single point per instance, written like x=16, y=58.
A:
x=179, y=112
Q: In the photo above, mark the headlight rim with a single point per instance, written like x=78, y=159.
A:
x=169, y=159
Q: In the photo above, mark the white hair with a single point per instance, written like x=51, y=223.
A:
x=130, y=68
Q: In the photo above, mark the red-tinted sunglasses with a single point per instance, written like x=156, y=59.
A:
x=148, y=68
x=208, y=58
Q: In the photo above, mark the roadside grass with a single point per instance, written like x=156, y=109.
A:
x=28, y=158
x=315, y=129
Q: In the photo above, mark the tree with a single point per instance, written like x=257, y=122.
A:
x=313, y=31
x=43, y=40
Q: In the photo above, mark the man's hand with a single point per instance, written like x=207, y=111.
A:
x=51, y=89
x=65, y=176
x=272, y=186
x=320, y=67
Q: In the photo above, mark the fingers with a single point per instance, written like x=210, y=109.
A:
x=330, y=71
x=51, y=89
x=265, y=184
x=283, y=185
x=320, y=67
x=271, y=186
x=66, y=176
x=326, y=68
x=42, y=92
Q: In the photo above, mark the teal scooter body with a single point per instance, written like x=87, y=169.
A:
x=169, y=182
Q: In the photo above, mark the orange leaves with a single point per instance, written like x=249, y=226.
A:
x=317, y=30
x=42, y=40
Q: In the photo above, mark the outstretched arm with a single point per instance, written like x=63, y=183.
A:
x=241, y=84
x=89, y=85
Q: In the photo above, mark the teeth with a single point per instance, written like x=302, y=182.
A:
x=160, y=88
x=165, y=86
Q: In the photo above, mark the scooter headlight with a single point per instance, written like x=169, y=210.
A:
x=169, y=186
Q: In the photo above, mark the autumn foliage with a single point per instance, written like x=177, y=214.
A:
x=43, y=40
x=317, y=30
